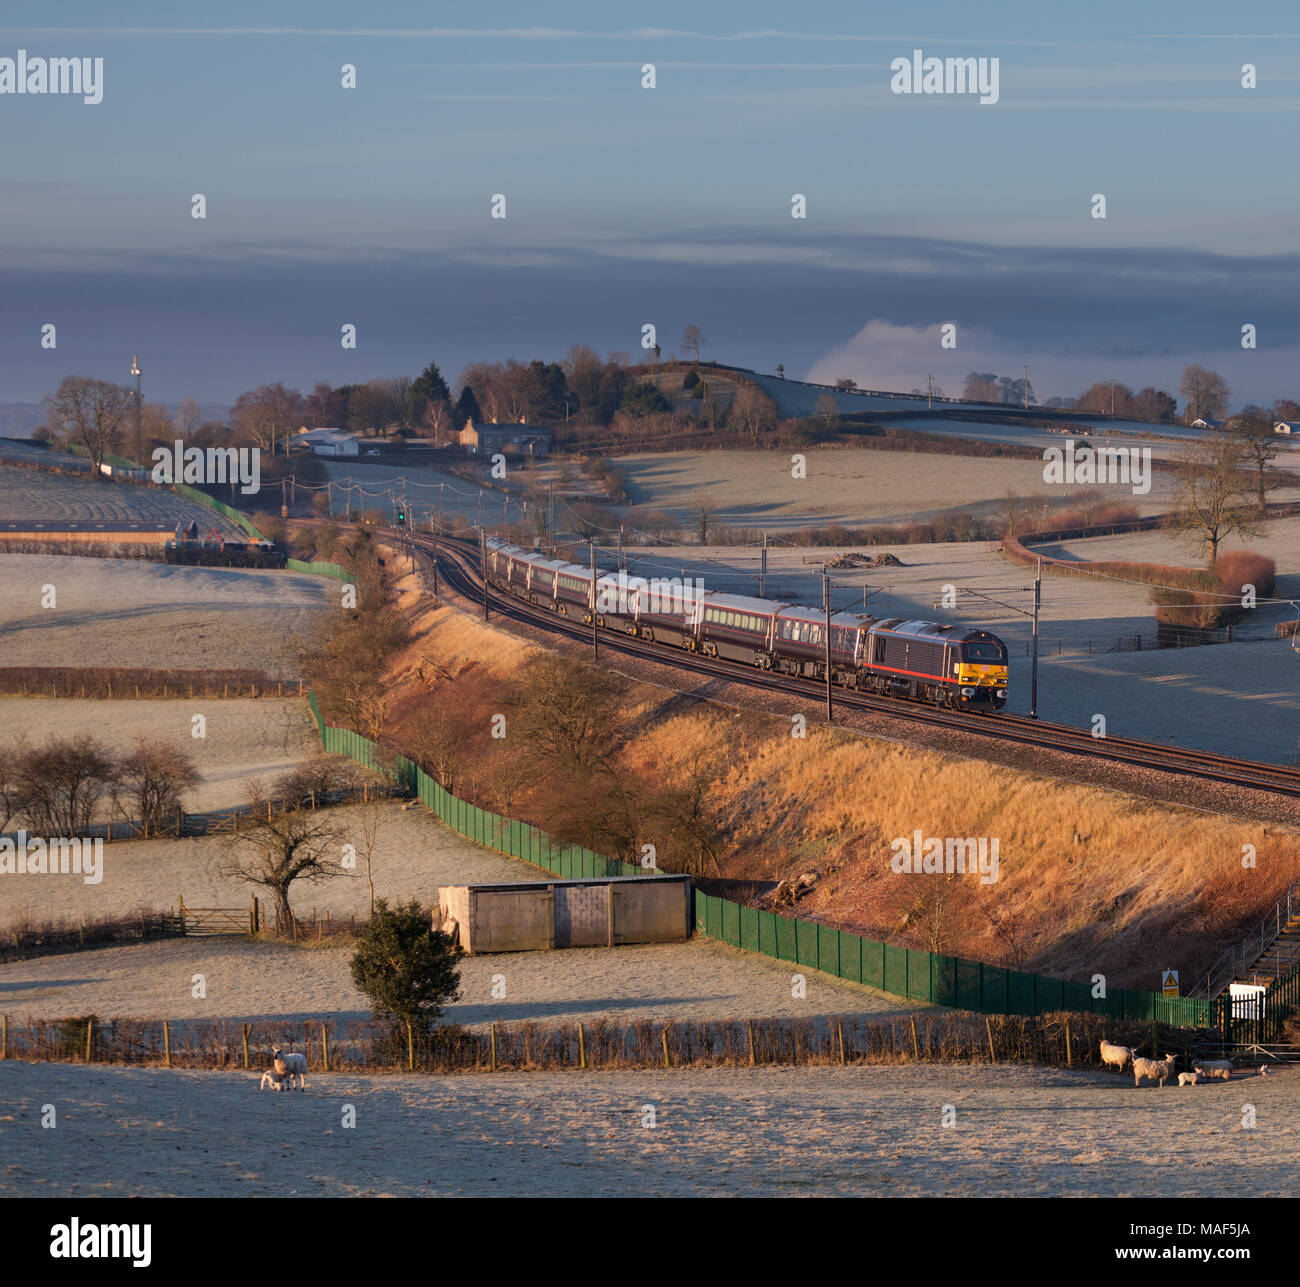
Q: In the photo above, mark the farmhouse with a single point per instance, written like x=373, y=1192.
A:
x=1205, y=422
x=1287, y=426
x=522, y=439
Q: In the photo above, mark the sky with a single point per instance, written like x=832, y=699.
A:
x=625, y=206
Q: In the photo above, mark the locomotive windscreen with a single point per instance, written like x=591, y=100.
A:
x=988, y=653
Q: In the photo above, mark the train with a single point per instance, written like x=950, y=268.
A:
x=928, y=661
x=219, y=550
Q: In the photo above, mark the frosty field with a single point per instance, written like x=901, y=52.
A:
x=124, y=612
x=770, y=1132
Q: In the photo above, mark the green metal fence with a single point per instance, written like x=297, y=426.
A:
x=318, y=569
x=928, y=976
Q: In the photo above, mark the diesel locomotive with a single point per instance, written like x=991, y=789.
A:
x=927, y=661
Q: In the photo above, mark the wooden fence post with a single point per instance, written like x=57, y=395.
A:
x=90, y=1035
x=494, y=1047
x=324, y=1047
x=410, y=1047
x=167, y=1046
x=4, y=1036
x=1069, y=1060
x=245, y=1034
x=749, y=1023
x=988, y=1027
x=664, y=1036
x=839, y=1027
x=916, y=1053
x=582, y=1048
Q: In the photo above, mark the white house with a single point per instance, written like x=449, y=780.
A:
x=329, y=442
x=1204, y=422
x=1287, y=426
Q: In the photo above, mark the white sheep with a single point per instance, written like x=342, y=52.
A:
x=291, y=1065
x=1116, y=1055
x=1211, y=1068
x=273, y=1079
x=1158, y=1070
x=1188, y=1079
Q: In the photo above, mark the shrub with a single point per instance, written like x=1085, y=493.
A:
x=406, y=968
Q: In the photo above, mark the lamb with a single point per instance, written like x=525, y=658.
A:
x=1211, y=1068
x=1188, y=1079
x=291, y=1065
x=1158, y=1070
x=1117, y=1055
x=273, y=1079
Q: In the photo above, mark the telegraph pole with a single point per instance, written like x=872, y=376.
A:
x=139, y=421
x=595, y=634
x=1026, y=386
x=482, y=564
x=1038, y=599
x=435, y=565
x=929, y=389
x=826, y=599
x=550, y=510
x=762, y=571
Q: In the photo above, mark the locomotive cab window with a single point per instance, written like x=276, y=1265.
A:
x=985, y=653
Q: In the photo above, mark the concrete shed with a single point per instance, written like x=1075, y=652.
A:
x=605, y=911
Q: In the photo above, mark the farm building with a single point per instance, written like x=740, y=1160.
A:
x=521, y=439
x=604, y=911
x=1287, y=426
x=328, y=442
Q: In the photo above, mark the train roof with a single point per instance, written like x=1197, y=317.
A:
x=938, y=631
x=743, y=603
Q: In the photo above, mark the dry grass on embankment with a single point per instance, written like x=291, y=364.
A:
x=1090, y=881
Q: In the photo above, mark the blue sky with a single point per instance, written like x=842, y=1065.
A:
x=670, y=205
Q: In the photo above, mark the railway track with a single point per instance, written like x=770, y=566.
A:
x=458, y=566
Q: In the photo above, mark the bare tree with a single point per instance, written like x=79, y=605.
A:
x=188, y=417
x=92, y=413
x=441, y=741
x=1213, y=496
x=278, y=844
x=706, y=513
x=564, y=715
x=828, y=409
x=437, y=418
x=56, y=788
x=752, y=411
x=1253, y=429
x=1205, y=394
x=693, y=340
x=267, y=414
x=150, y=783
x=370, y=823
